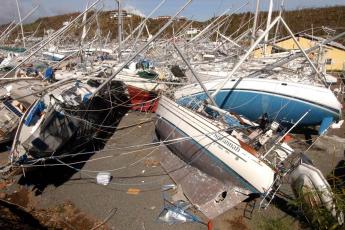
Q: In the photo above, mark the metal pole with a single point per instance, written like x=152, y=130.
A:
x=140, y=26
x=304, y=53
x=255, y=22
x=26, y=16
x=269, y=15
x=236, y=67
x=229, y=40
x=7, y=28
x=44, y=43
x=195, y=75
x=21, y=23
x=220, y=23
x=119, y=29
x=277, y=27
x=209, y=25
x=83, y=35
x=281, y=138
x=141, y=49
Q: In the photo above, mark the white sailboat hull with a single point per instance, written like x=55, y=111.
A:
x=209, y=148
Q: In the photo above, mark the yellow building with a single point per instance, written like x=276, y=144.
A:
x=334, y=52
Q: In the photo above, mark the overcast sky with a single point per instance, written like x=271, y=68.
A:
x=199, y=9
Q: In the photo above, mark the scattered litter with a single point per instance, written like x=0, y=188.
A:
x=103, y=178
x=168, y=187
x=175, y=213
x=8, y=89
x=337, y=125
x=143, y=171
x=133, y=191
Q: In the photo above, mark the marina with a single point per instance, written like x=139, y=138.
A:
x=165, y=122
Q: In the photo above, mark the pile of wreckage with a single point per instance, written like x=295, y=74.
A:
x=223, y=117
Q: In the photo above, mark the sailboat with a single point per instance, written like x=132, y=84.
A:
x=211, y=141
x=282, y=101
x=220, y=158
x=16, y=98
x=67, y=113
x=277, y=99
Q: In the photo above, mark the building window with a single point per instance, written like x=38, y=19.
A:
x=329, y=61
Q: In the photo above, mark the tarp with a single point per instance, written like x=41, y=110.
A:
x=34, y=113
x=49, y=73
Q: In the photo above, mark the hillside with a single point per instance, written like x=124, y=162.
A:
x=298, y=20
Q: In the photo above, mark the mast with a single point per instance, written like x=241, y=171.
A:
x=212, y=26
x=7, y=28
x=255, y=22
x=119, y=27
x=243, y=58
x=141, y=49
x=209, y=25
x=142, y=24
x=267, y=25
x=84, y=27
x=40, y=45
x=9, y=31
x=21, y=23
x=196, y=76
x=280, y=14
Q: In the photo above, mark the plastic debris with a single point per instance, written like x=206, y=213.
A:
x=175, y=213
x=103, y=178
x=86, y=97
x=49, y=73
x=168, y=187
x=337, y=125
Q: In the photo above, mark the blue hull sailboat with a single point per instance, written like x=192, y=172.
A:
x=284, y=102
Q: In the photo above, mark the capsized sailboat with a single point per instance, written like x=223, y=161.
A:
x=217, y=165
x=64, y=114
x=245, y=159
x=221, y=150
x=281, y=101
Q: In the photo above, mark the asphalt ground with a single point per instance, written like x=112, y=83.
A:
x=137, y=178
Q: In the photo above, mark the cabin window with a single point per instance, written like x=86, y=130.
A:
x=328, y=61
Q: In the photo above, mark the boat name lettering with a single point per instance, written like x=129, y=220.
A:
x=227, y=142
